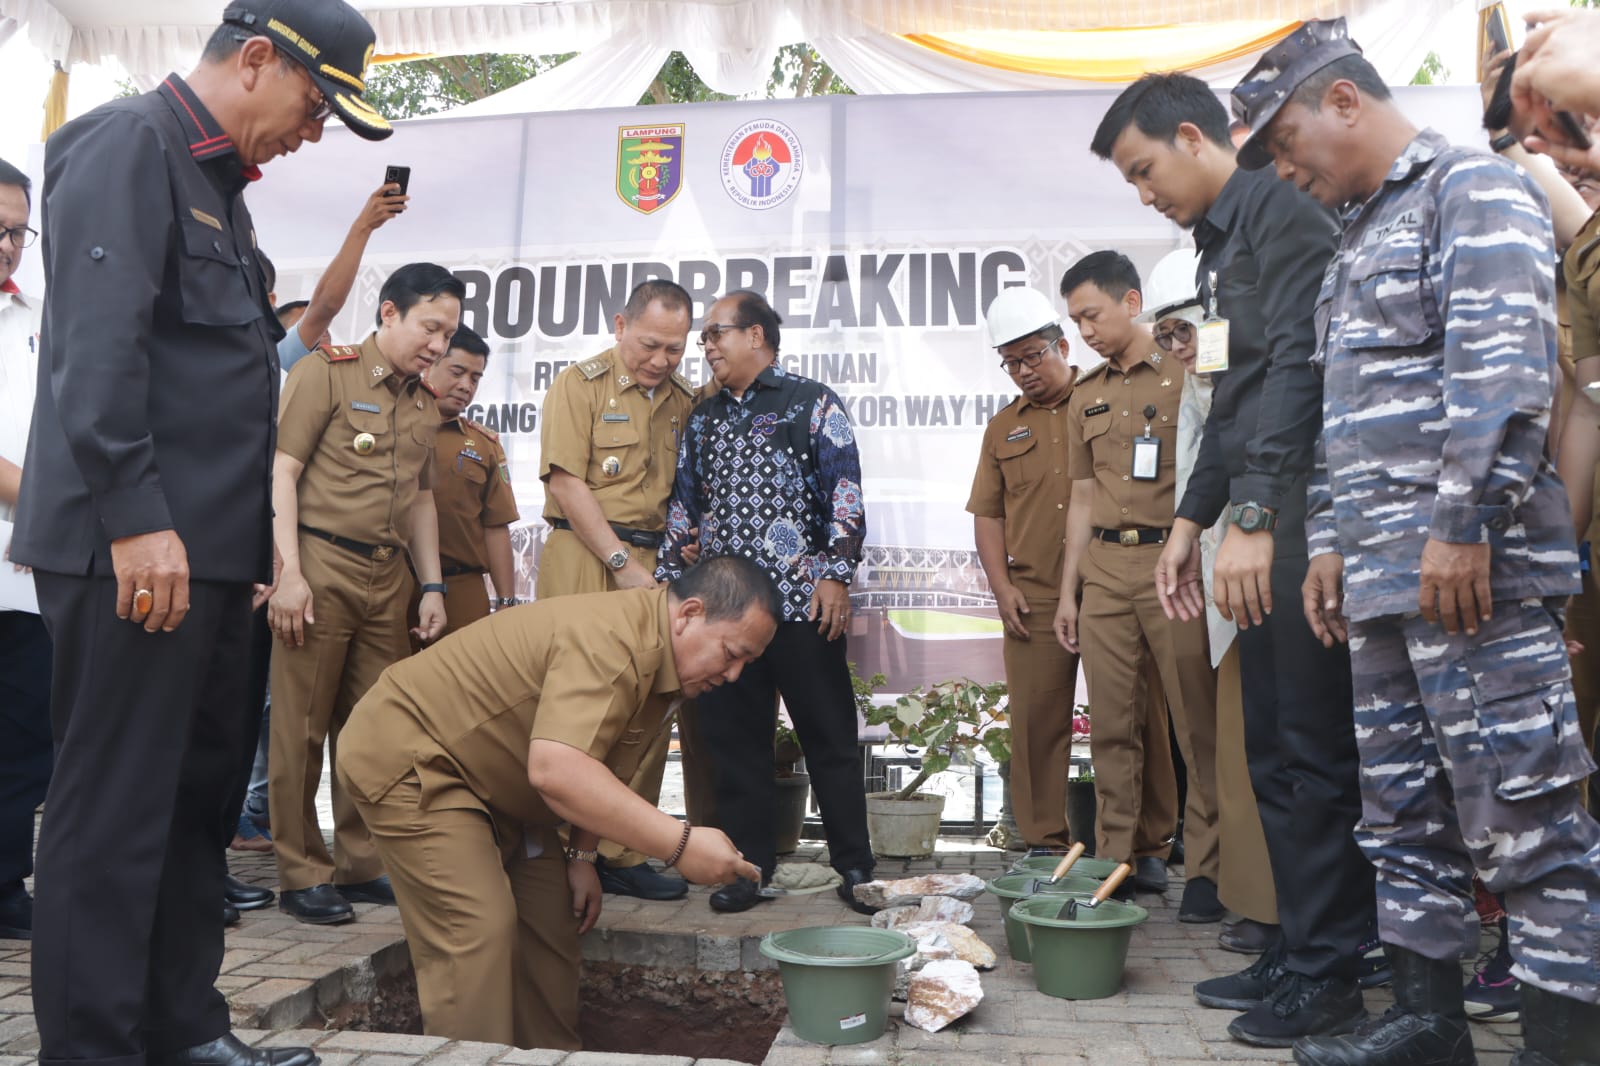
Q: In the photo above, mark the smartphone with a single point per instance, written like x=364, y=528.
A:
x=400, y=176
x=1574, y=130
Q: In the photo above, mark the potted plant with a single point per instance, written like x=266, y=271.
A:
x=944, y=720
x=794, y=787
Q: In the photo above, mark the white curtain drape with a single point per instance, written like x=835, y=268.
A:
x=730, y=42
x=611, y=74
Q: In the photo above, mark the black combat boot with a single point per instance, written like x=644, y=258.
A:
x=1427, y=1026
x=1557, y=1030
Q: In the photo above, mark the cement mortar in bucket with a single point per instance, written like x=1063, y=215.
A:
x=1008, y=888
x=1081, y=957
x=837, y=980
x=1044, y=866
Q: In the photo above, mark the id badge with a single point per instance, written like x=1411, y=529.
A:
x=1212, y=347
x=1146, y=458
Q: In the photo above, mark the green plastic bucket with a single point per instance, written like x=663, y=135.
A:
x=1008, y=888
x=1099, y=869
x=837, y=980
x=1080, y=958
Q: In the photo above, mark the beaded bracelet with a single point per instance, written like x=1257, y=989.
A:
x=683, y=842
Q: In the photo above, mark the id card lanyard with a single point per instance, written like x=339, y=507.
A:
x=1146, y=450
x=1212, y=336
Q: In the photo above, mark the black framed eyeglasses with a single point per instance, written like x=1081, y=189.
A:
x=1015, y=365
x=1182, y=332
x=716, y=330
x=21, y=236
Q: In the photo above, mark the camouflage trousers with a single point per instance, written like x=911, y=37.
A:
x=1471, y=761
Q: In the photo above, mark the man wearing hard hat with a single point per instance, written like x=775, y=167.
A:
x=1019, y=501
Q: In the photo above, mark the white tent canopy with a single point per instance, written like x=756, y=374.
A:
x=731, y=43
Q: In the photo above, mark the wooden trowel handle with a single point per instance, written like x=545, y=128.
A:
x=1073, y=855
x=1118, y=875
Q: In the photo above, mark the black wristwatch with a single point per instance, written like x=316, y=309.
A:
x=1502, y=142
x=435, y=586
x=506, y=601
x=1253, y=517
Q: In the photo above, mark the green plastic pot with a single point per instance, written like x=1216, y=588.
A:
x=1081, y=957
x=1008, y=888
x=837, y=980
x=1045, y=865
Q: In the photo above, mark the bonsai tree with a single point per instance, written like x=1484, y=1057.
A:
x=947, y=718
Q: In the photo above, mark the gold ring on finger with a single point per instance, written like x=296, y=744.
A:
x=143, y=601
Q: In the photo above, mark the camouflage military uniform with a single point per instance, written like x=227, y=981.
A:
x=1438, y=347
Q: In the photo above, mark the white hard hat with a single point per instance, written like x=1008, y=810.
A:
x=1171, y=291
x=1017, y=312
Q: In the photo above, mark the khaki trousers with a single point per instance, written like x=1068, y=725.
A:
x=1123, y=633
x=1245, y=881
x=360, y=630
x=490, y=930
x=567, y=568
x=1042, y=682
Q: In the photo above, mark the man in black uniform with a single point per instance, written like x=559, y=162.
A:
x=1263, y=247
x=145, y=514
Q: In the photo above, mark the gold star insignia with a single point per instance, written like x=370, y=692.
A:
x=1166, y=382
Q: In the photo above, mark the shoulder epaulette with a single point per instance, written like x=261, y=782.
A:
x=429, y=389
x=479, y=427
x=341, y=353
x=593, y=368
x=683, y=383
x=1015, y=402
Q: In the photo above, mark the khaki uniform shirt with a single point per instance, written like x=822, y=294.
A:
x=1022, y=480
x=1104, y=415
x=601, y=425
x=596, y=675
x=1581, y=269
x=471, y=489
x=366, y=438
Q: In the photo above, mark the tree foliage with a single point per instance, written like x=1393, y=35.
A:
x=1432, y=72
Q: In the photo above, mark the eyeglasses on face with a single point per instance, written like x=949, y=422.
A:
x=1181, y=333
x=715, y=331
x=1014, y=365
x=21, y=236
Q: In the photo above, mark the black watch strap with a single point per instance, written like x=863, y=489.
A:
x=435, y=586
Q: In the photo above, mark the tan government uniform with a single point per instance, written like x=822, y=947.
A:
x=602, y=426
x=1022, y=481
x=366, y=438
x=1122, y=629
x=437, y=761
x=472, y=492
x=1581, y=271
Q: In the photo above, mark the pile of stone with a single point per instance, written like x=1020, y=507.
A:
x=940, y=982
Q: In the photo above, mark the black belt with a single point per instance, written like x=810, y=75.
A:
x=639, y=538
x=1129, y=538
x=377, y=552
x=456, y=569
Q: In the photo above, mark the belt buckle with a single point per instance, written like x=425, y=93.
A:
x=1128, y=538
x=382, y=553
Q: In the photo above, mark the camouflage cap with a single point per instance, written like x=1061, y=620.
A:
x=1278, y=73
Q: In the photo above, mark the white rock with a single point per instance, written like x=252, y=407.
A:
x=908, y=891
x=931, y=909
x=941, y=992
x=966, y=945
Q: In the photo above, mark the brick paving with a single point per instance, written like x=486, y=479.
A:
x=281, y=975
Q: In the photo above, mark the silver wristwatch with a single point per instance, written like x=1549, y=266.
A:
x=617, y=559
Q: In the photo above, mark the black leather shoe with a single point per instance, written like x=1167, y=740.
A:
x=1247, y=988
x=320, y=905
x=1200, y=903
x=378, y=890
x=1427, y=1026
x=1557, y=1030
x=1150, y=874
x=246, y=897
x=641, y=882
x=741, y=895
x=16, y=914
x=847, y=889
x=1247, y=936
x=229, y=1050
x=230, y=914
x=1299, y=1007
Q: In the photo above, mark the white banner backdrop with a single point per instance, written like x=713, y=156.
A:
x=880, y=239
